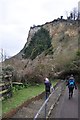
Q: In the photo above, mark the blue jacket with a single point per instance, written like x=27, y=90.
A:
x=71, y=83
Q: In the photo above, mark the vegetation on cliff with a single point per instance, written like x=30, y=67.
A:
x=39, y=42
x=51, y=49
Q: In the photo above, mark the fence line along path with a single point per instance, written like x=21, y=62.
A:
x=36, y=109
x=6, y=87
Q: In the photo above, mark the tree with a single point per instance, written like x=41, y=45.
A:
x=66, y=13
x=71, y=15
x=61, y=17
x=75, y=13
x=40, y=42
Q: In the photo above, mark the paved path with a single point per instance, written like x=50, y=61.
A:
x=66, y=108
x=31, y=110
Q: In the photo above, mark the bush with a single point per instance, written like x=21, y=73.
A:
x=33, y=78
x=8, y=69
x=39, y=42
x=49, y=51
x=78, y=53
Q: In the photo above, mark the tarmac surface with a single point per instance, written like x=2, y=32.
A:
x=58, y=106
x=31, y=110
x=66, y=108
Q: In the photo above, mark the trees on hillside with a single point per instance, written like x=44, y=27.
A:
x=73, y=15
x=40, y=42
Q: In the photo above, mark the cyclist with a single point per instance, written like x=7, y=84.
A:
x=71, y=84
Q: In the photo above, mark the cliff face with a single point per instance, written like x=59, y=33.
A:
x=64, y=46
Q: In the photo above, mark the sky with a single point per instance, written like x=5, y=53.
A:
x=17, y=16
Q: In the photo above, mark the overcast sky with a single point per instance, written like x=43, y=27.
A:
x=17, y=16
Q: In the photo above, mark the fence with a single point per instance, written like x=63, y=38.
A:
x=49, y=103
x=5, y=87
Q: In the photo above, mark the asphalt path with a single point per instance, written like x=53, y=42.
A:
x=66, y=108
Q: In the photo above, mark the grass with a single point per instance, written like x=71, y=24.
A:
x=22, y=95
x=54, y=82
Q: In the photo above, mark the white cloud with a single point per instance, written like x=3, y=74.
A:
x=17, y=16
x=13, y=38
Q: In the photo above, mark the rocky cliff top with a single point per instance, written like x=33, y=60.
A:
x=54, y=45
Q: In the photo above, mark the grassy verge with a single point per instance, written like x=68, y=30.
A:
x=22, y=95
x=54, y=82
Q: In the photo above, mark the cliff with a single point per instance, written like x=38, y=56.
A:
x=50, y=49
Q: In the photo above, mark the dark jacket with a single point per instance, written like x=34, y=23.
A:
x=47, y=86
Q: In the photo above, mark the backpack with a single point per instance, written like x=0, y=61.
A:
x=71, y=83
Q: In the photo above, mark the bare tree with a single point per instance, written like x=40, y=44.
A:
x=75, y=13
x=78, y=15
x=66, y=13
x=1, y=55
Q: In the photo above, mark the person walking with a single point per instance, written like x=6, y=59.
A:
x=47, y=86
x=71, y=85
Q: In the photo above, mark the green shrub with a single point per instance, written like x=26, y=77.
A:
x=78, y=53
x=39, y=42
x=49, y=51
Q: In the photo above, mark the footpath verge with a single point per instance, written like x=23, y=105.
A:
x=30, y=107
x=50, y=103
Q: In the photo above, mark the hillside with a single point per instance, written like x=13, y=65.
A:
x=50, y=49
